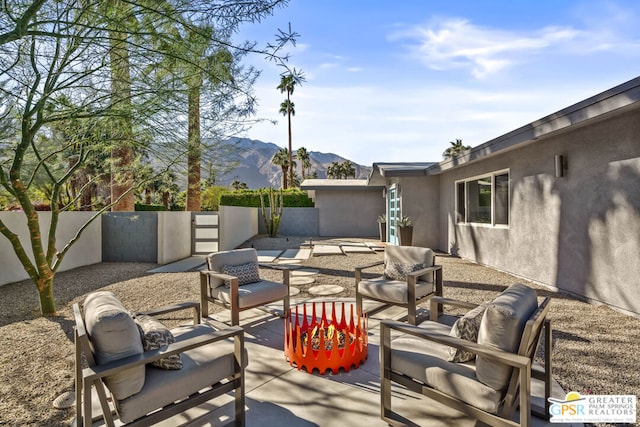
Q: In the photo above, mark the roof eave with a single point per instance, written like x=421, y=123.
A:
x=616, y=100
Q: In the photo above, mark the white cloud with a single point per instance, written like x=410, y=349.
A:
x=327, y=65
x=455, y=43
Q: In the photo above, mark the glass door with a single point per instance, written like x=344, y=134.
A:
x=393, y=207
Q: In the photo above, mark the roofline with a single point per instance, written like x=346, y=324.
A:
x=341, y=187
x=338, y=184
x=623, y=96
x=396, y=169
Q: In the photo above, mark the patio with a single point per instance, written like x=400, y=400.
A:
x=278, y=394
x=587, y=353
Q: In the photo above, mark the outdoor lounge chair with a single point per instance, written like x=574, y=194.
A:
x=410, y=277
x=487, y=379
x=198, y=364
x=233, y=280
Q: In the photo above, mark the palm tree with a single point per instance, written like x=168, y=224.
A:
x=216, y=68
x=348, y=170
x=287, y=108
x=456, y=149
x=341, y=170
x=237, y=185
x=333, y=171
x=122, y=155
x=281, y=158
x=305, y=162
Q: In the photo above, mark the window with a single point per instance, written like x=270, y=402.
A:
x=483, y=199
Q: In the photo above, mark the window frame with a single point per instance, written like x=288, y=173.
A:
x=462, y=212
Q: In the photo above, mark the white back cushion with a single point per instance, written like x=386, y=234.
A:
x=501, y=328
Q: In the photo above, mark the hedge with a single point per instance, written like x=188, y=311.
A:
x=143, y=207
x=251, y=199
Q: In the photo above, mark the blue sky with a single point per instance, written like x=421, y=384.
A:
x=397, y=80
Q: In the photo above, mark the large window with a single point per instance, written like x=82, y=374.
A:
x=483, y=199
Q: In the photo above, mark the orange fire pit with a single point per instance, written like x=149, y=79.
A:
x=320, y=343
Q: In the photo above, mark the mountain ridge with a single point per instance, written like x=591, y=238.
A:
x=254, y=168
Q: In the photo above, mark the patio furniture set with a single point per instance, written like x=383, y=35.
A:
x=481, y=365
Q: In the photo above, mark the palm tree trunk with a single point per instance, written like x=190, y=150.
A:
x=290, y=144
x=122, y=155
x=165, y=199
x=193, y=154
x=284, y=177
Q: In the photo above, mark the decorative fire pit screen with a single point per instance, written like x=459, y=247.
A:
x=321, y=343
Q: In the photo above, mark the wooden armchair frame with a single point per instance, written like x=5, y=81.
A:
x=93, y=374
x=205, y=296
x=412, y=279
x=519, y=387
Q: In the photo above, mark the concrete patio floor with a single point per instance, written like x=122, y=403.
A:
x=278, y=394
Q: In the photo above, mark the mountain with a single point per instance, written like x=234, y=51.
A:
x=254, y=167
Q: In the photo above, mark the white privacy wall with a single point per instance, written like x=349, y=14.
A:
x=87, y=250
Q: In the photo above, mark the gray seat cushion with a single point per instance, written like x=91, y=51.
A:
x=202, y=367
x=252, y=294
x=501, y=328
x=395, y=291
x=115, y=336
x=426, y=361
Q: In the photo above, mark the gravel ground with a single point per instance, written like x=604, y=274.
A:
x=594, y=347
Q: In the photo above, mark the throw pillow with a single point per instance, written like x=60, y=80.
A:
x=246, y=273
x=466, y=328
x=154, y=336
x=395, y=270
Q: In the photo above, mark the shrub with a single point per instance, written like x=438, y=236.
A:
x=210, y=197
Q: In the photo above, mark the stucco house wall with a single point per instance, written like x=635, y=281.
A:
x=420, y=200
x=346, y=208
x=579, y=233
x=349, y=213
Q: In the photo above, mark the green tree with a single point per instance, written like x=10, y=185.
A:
x=238, y=185
x=283, y=158
x=348, y=170
x=455, y=149
x=333, y=171
x=305, y=161
x=341, y=170
x=104, y=56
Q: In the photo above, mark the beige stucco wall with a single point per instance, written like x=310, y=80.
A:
x=349, y=212
x=579, y=233
x=237, y=225
x=87, y=250
x=174, y=236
